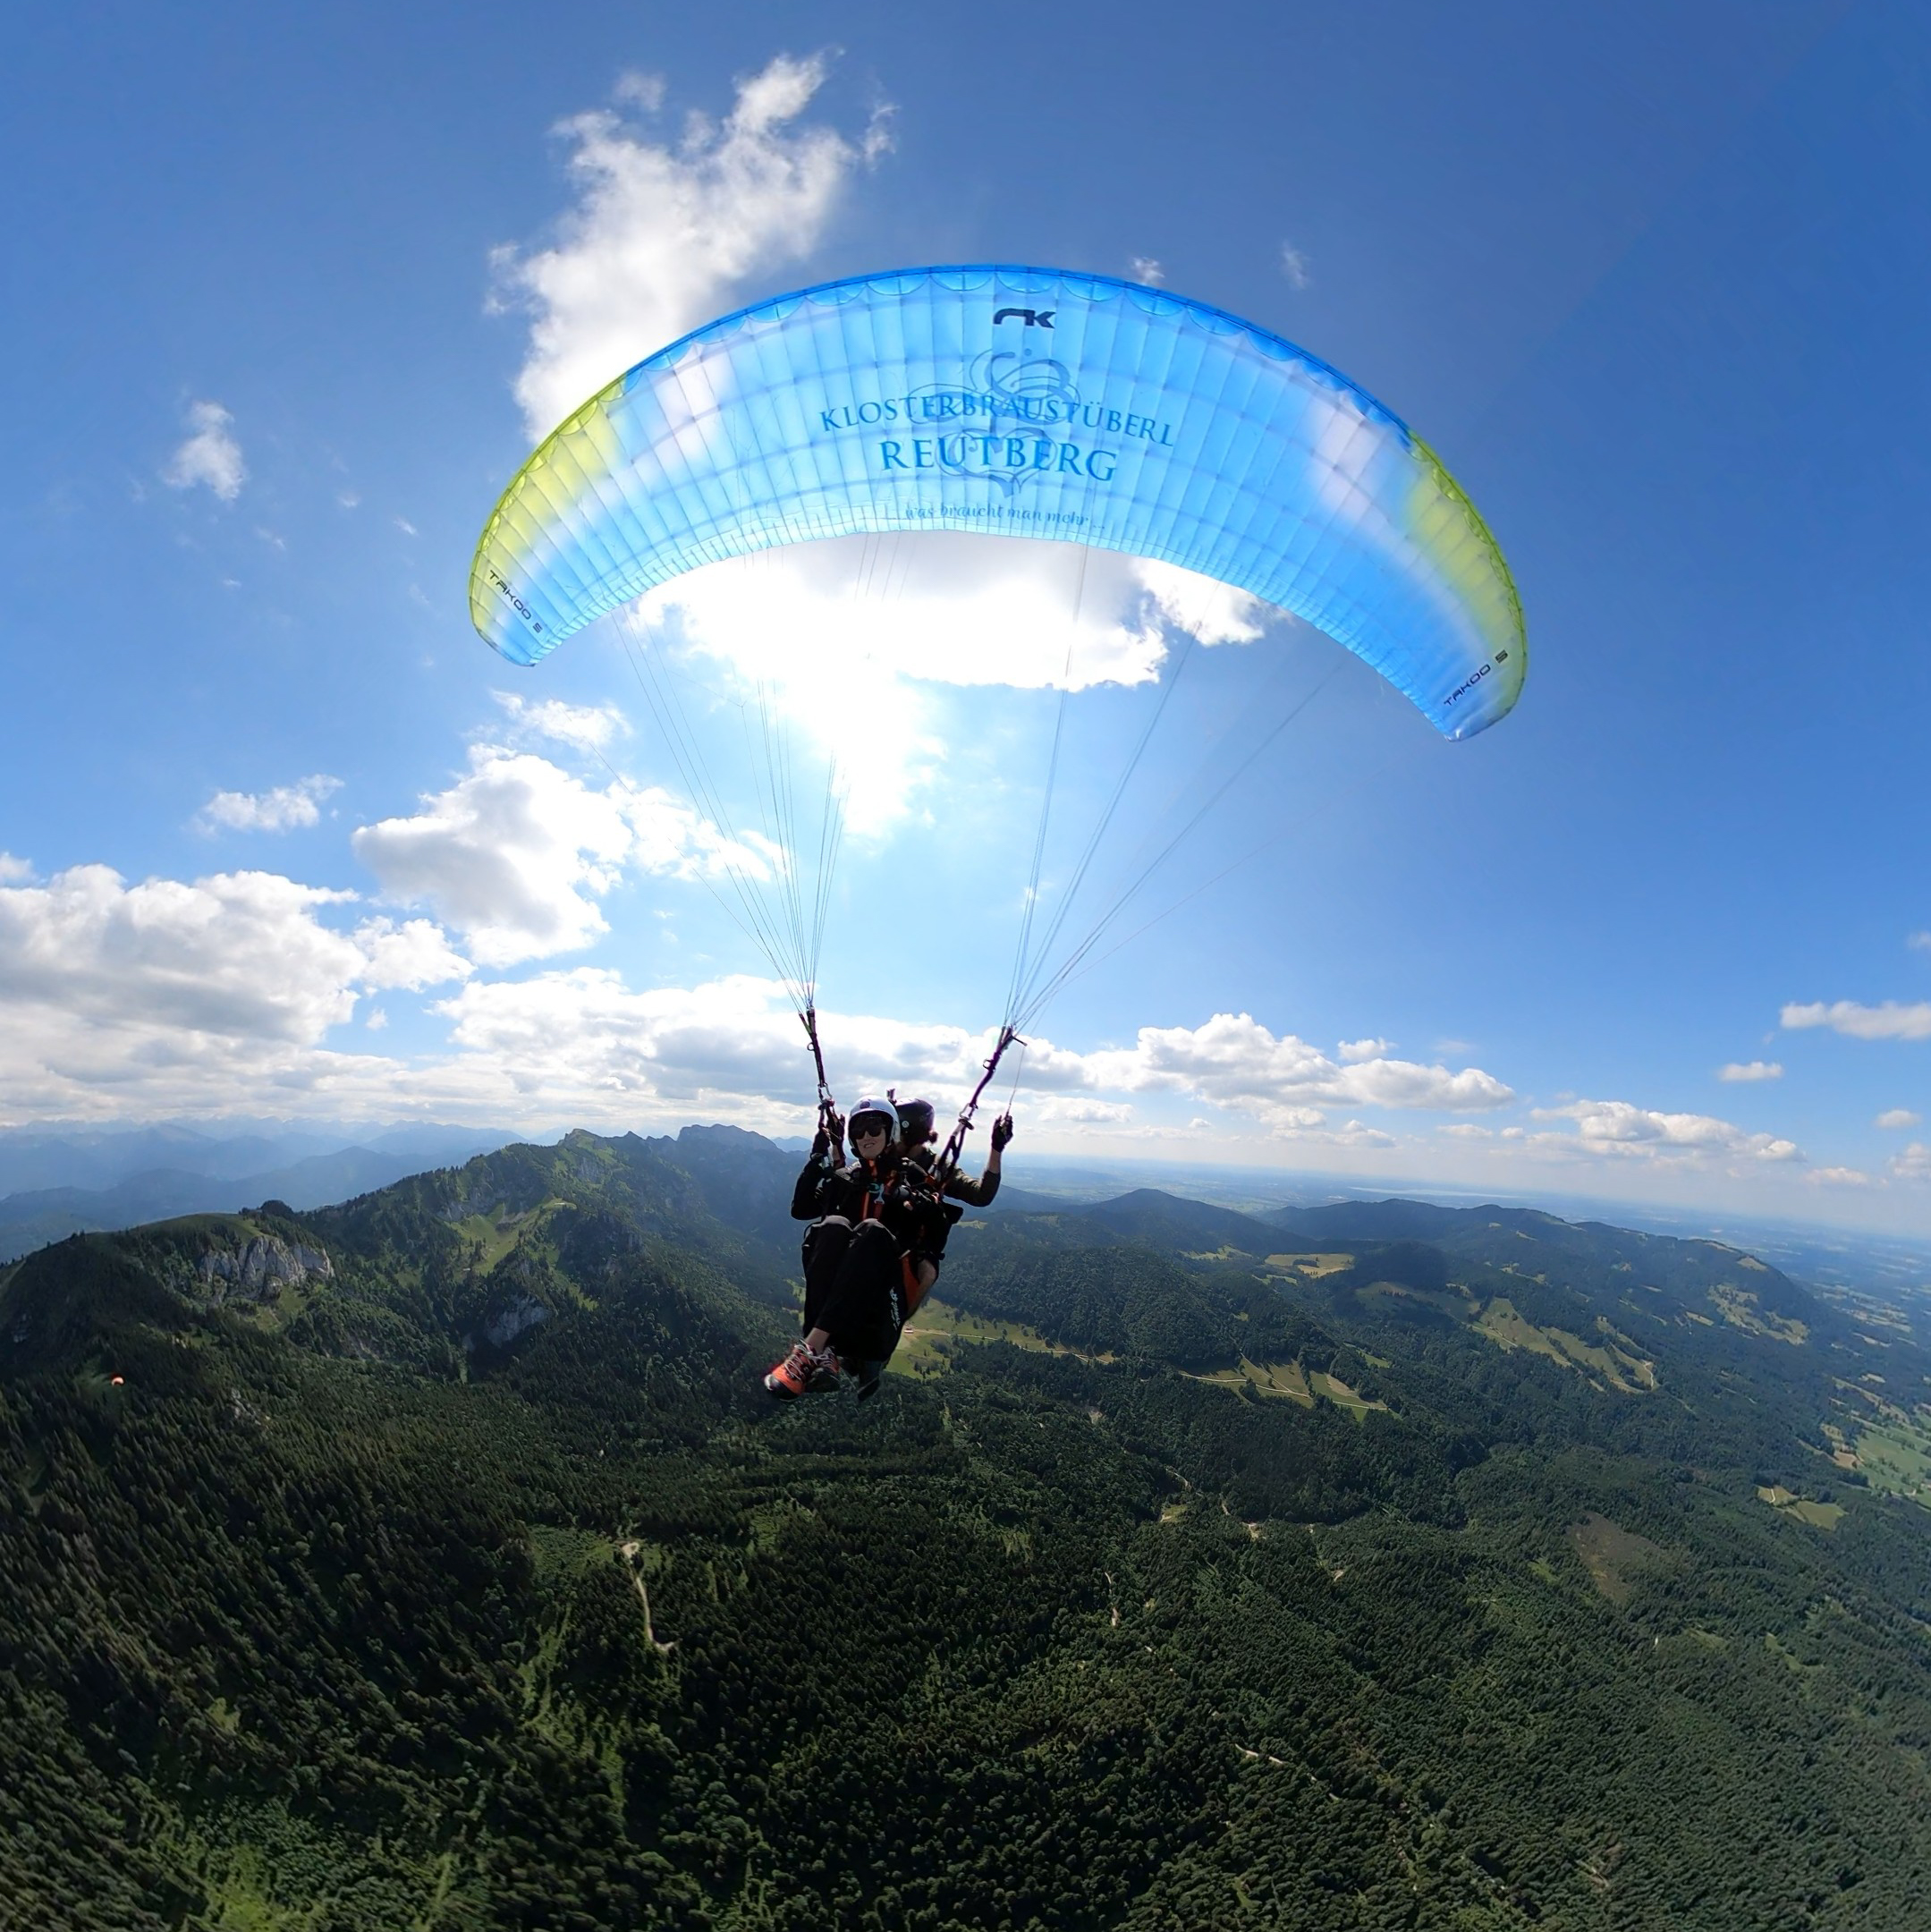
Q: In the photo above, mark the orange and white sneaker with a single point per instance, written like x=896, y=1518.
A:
x=802, y=1373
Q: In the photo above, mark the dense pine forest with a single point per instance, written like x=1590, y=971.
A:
x=437, y=1562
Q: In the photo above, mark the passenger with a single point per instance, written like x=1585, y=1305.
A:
x=916, y=1135
x=869, y=1259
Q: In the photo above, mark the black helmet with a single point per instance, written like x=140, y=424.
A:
x=915, y=1122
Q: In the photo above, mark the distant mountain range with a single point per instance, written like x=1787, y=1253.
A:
x=52, y=1185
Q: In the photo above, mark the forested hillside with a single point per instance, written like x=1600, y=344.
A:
x=437, y=1562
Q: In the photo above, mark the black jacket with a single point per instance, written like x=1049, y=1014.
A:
x=892, y=1191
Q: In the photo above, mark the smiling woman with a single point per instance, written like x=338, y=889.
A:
x=999, y=403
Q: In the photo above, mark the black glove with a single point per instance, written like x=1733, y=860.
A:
x=821, y=1144
x=1002, y=1133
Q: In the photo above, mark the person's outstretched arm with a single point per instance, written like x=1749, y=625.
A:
x=980, y=1193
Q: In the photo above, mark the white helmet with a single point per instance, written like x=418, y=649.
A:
x=870, y=1104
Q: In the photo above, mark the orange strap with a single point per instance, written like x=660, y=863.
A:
x=914, y=1293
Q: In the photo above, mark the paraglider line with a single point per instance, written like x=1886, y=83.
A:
x=1020, y=957
x=1037, y=1000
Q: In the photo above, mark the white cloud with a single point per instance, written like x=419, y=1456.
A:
x=1352, y=1050
x=1294, y=266
x=209, y=455
x=1920, y=941
x=1840, y=1177
x=582, y=1039
x=1914, y=1163
x=215, y=996
x=282, y=810
x=13, y=871
x=516, y=854
x=964, y=610
x=661, y=237
x=414, y=955
x=1145, y=269
x=1616, y=1129
x=1894, y=1019
x=1750, y=1069
x=733, y=1045
x=240, y=953
x=588, y=726
x=1897, y=1117
x=1236, y=1062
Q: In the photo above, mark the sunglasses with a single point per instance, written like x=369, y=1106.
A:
x=873, y=1125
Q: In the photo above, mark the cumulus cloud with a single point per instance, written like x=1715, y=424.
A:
x=1236, y=1062
x=240, y=953
x=730, y=1045
x=170, y=996
x=210, y=455
x=1618, y=1130
x=1897, y=1117
x=1145, y=269
x=412, y=955
x=589, y=728
x=963, y=610
x=1920, y=941
x=734, y=1042
x=1914, y=1163
x=1750, y=1069
x=1894, y=1019
x=516, y=854
x=1352, y=1050
x=1294, y=266
x=663, y=234
x=282, y=810
x=13, y=871
x=1840, y=1177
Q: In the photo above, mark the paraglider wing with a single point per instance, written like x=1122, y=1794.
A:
x=1021, y=403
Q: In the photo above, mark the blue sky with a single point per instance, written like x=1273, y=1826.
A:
x=1650, y=279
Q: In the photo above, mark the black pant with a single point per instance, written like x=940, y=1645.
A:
x=855, y=1288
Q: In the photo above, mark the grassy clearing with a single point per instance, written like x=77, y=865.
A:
x=1894, y=1453
x=1612, y=1556
x=927, y=1342
x=1739, y=1307
x=1456, y=1303
x=1289, y=1382
x=497, y=1233
x=1823, y=1515
x=1282, y=1379
x=562, y=1555
x=1308, y=1266
x=1343, y=1397
x=1614, y=1359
